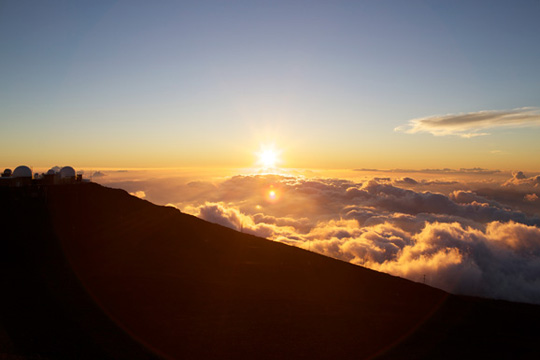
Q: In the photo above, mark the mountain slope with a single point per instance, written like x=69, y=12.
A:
x=167, y=284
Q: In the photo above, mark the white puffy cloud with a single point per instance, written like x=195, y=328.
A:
x=502, y=261
x=219, y=214
x=468, y=125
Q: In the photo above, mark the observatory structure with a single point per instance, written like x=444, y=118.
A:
x=22, y=176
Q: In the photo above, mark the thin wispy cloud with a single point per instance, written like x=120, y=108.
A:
x=475, y=170
x=473, y=124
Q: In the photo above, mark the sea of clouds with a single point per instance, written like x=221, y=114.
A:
x=476, y=237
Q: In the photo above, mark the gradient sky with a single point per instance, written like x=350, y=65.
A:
x=205, y=83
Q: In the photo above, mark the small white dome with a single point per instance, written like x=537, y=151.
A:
x=67, y=172
x=51, y=172
x=56, y=169
x=22, y=172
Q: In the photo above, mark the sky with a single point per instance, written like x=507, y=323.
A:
x=331, y=84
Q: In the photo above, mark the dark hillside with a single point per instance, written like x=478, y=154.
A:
x=45, y=311
x=95, y=271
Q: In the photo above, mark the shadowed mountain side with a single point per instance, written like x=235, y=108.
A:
x=190, y=289
x=45, y=311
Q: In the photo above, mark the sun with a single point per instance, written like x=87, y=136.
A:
x=268, y=157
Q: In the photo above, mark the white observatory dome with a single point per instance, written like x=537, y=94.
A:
x=22, y=172
x=67, y=172
x=51, y=172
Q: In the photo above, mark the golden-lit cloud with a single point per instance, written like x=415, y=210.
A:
x=140, y=194
x=468, y=125
x=519, y=179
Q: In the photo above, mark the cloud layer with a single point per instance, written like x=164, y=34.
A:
x=462, y=242
x=473, y=124
x=483, y=242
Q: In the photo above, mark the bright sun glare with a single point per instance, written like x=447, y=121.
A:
x=268, y=157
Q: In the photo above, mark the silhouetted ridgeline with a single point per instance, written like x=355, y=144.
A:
x=91, y=272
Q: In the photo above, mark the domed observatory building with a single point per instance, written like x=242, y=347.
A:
x=50, y=176
x=67, y=175
x=7, y=173
x=22, y=175
x=5, y=179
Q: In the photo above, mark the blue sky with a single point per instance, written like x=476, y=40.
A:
x=204, y=83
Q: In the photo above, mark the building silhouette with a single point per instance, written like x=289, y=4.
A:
x=22, y=176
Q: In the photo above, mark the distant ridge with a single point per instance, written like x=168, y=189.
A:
x=90, y=272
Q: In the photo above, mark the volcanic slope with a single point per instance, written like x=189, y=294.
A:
x=92, y=272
